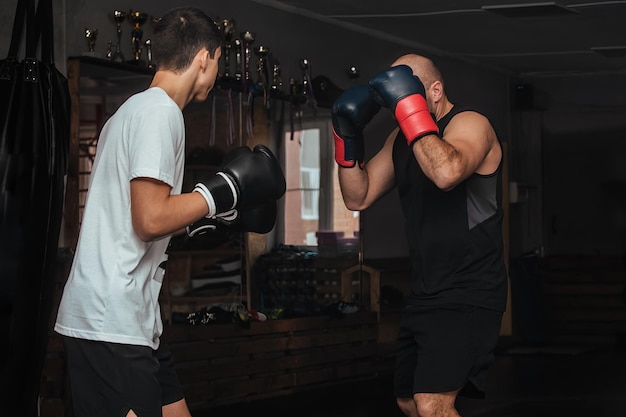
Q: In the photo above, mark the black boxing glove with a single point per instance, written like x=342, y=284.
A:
x=350, y=113
x=246, y=180
x=208, y=224
x=260, y=219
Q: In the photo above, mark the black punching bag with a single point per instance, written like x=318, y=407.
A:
x=34, y=123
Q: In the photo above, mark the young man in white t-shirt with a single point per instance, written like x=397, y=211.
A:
x=109, y=312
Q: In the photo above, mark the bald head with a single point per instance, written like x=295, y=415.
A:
x=423, y=67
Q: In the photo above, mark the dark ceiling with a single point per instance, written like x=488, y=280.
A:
x=527, y=39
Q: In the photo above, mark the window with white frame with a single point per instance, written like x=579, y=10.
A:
x=310, y=173
x=313, y=200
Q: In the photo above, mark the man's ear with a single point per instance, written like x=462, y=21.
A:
x=436, y=90
x=203, y=57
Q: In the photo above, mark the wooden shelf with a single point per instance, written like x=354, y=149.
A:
x=183, y=265
x=221, y=364
x=183, y=299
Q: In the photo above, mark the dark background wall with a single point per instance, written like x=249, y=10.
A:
x=569, y=156
x=565, y=139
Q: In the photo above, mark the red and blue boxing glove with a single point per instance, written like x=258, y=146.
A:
x=401, y=91
x=350, y=113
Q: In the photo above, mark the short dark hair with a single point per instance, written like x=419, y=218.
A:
x=180, y=34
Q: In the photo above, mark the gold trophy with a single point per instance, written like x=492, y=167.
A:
x=353, y=72
x=151, y=62
x=109, y=54
x=248, y=38
x=238, y=62
x=118, y=16
x=262, y=52
x=148, y=43
x=91, y=35
x=137, y=19
x=307, y=87
x=228, y=28
x=277, y=80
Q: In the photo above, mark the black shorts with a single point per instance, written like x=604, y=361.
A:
x=109, y=379
x=442, y=349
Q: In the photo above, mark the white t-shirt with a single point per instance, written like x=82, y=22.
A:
x=113, y=287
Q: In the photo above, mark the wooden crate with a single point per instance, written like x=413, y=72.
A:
x=225, y=363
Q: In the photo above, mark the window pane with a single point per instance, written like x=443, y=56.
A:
x=302, y=173
x=313, y=199
x=310, y=185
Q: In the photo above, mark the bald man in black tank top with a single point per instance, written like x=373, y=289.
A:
x=446, y=161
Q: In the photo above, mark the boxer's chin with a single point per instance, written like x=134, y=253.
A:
x=200, y=97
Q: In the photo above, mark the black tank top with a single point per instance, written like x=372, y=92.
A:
x=455, y=237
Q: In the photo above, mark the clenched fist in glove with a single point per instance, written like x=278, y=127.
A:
x=248, y=179
x=404, y=93
x=259, y=219
x=351, y=112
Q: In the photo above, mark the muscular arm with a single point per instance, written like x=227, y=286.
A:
x=156, y=213
x=362, y=187
x=469, y=145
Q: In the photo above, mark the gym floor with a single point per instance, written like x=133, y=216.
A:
x=537, y=381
